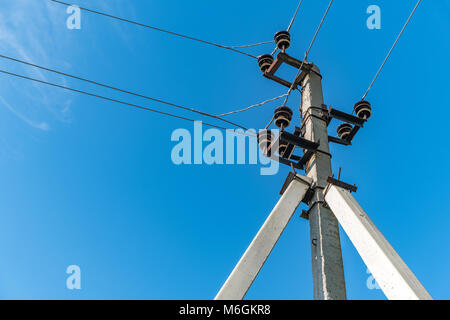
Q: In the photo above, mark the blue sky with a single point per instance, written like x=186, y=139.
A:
x=90, y=183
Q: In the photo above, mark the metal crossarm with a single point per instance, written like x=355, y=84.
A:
x=297, y=64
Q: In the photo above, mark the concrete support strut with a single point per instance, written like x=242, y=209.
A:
x=245, y=272
x=396, y=280
x=327, y=265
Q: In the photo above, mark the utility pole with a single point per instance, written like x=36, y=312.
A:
x=327, y=265
x=330, y=200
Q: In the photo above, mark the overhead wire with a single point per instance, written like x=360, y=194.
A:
x=295, y=16
x=234, y=49
x=121, y=90
x=276, y=98
x=290, y=24
x=270, y=122
x=390, y=51
x=308, y=51
x=253, y=106
x=118, y=101
x=252, y=45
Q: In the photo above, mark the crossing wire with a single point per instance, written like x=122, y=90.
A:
x=276, y=98
x=253, y=106
x=392, y=48
x=251, y=45
x=308, y=51
x=291, y=23
x=234, y=49
x=121, y=90
x=122, y=102
x=295, y=16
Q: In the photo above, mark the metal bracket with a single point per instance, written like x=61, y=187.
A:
x=284, y=58
x=338, y=183
x=339, y=141
x=309, y=195
x=289, y=152
x=345, y=117
x=309, y=147
x=298, y=141
x=357, y=123
x=305, y=213
x=293, y=141
x=310, y=200
x=291, y=176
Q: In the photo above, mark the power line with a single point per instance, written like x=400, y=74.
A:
x=252, y=45
x=308, y=51
x=390, y=51
x=121, y=90
x=253, y=106
x=290, y=24
x=295, y=16
x=270, y=122
x=117, y=101
x=318, y=29
x=163, y=30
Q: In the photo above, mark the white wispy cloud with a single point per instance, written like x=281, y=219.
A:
x=35, y=31
x=38, y=125
x=29, y=30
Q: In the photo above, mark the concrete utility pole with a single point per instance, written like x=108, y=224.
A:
x=330, y=203
x=327, y=266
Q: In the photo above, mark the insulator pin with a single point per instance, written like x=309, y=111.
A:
x=264, y=62
x=344, y=130
x=283, y=117
x=363, y=110
x=283, y=40
x=265, y=138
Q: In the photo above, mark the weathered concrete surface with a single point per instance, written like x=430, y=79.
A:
x=396, y=280
x=245, y=272
x=327, y=266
